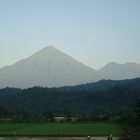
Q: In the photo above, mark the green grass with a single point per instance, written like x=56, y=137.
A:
x=62, y=129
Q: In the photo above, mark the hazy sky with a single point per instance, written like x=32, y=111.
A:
x=93, y=31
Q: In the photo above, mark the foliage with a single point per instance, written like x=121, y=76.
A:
x=39, y=104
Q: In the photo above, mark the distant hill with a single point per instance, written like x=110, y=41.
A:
x=115, y=71
x=97, y=98
x=102, y=85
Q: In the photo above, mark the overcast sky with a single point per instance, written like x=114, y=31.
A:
x=93, y=31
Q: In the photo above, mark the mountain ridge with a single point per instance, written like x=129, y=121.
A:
x=47, y=68
x=50, y=67
x=116, y=71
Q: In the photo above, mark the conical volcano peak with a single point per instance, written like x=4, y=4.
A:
x=49, y=48
x=48, y=67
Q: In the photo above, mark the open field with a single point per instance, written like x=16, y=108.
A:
x=61, y=129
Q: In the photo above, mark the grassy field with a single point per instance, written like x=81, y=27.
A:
x=62, y=129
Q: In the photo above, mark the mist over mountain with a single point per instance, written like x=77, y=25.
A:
x=52, y=68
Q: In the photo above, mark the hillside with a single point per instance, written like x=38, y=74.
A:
x=58, y=100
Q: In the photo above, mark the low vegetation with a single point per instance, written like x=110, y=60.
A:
x=62, y=129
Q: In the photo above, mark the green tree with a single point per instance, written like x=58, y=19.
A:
x=137, y=110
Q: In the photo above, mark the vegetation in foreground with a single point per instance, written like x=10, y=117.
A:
x=62, y=129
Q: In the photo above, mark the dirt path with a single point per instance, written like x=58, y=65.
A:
x=55, y=138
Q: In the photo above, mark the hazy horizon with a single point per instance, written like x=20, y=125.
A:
x=95, y=32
